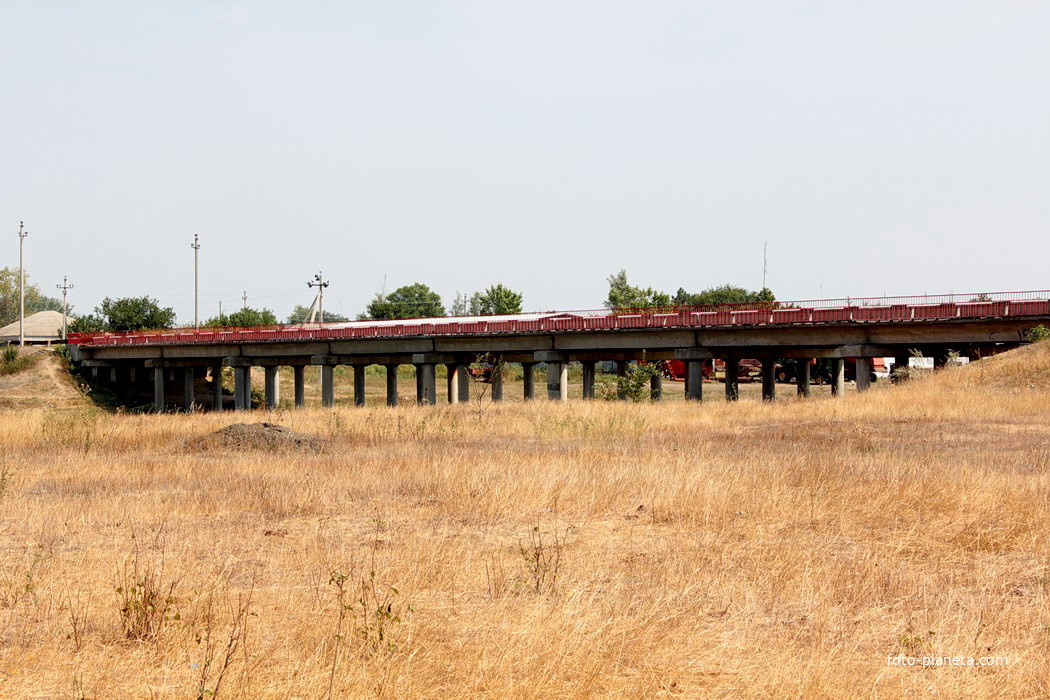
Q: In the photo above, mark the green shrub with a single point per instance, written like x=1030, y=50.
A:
x=1040, y=332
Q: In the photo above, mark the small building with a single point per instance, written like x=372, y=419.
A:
x=41, y=328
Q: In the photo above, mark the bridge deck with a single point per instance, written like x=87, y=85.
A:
x=999, y=305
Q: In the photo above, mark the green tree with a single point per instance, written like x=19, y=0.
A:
x=497, y=299
x=244, y=317
x=411, y=301
x=88, y=323
x=622, y=295
x=301, y=314
x=135, y=313
x=35, y=300
x=724, y=294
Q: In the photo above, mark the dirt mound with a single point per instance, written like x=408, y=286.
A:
x=1026, y=367
x=256, y=436
x=44, y=382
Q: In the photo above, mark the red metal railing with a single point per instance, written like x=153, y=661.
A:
x=849, y=310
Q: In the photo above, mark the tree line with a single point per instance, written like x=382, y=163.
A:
x=415, y=300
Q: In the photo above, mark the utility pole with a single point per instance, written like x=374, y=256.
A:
x=319, y=282
x=244, y=298
x=196, y=282
x=65, y=287
x=22, y=233
x=765, y=244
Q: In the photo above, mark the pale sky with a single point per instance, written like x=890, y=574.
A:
x=879, y=147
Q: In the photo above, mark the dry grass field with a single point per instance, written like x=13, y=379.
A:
x=538, y=550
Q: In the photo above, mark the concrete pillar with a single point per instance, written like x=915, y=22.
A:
x=802, y=377
x=694, y=380
x=769, y=380
x=328, y=385
x=158, y=389
x=272, y=399
x=838, y=377
x=588, y=379
x=656, y=386
x=863, y=373
x=496, y=382
x=426, y=384
x=238, y=390
x=558, y=381
x=391, y=385
x=529, y=380
x=188, y=398
x=359, y=385
x=112, y=375
x=464, y=380
x=732, y=379
x=299, y=379
x=621, y=374
x=453, y=370
x=216, y=387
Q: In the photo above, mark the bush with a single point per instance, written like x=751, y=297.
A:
x=1040, y=332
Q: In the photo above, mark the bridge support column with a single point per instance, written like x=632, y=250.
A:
x=464, y=378
x=769, y=380
x=391, y=385
x=694, y=380
x=529, y=380
x=188, y=399
x=158, y=389
x=656, y=386
x=359, y=385
x=328, y=386
x=216, y=387
x=802, y=377
x=240, y=378
x=558, y=381
x=271, y=387
x=838, y=376
x=621, y=374
x=299, y=380
x=426, y=384
x=453, y=370
x=732, y=379
x=588, y=379
x=496, y=381
x=863, y=373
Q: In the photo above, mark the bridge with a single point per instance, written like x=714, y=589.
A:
x=834, y=329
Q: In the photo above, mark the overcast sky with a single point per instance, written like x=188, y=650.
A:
x=879, y=147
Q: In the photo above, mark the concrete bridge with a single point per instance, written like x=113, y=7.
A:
x=836, y=329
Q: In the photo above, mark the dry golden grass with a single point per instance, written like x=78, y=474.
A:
x=540, y=549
